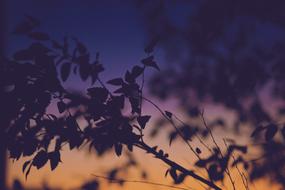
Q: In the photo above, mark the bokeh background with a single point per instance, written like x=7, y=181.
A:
x=120, y=30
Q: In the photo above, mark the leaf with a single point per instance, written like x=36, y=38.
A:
x=116, y=81
x=150, y=62
x=154, y=148
x=54, y=158
x=150, y=46
x=270, y=131
x=283, y=131
x=65, y=71
x=257, y=130
x=129, y=77
x=28, y=171
x=25, y=165
x=198, y=150
x=61, y=106
x=40, y=159
x=23, y=55
x=56, y=45
x=72, y=123
x=142, y=120
x=118, y=149
x=201, y=163
x=84, y=71
x=39, y=36
x=130, y=147
x=237, y=161
x=172, y=136
x=58, y=144
x=180, y=178
x=137, y=71
x=98, y=93
x=214, y=174
x=24, y=28
x=166, y=173
x=81, y=48
x=173, y=174
x=32, y=20
x=168, y=114
x=39, y=48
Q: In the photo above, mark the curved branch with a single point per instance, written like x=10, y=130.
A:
x=180, y=168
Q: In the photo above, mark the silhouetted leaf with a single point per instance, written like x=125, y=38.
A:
x=56, y=45
x=84, y=70
x=61, y=106
x=32, y=20
x=65, y=70
x=98, y=93
x=24, y=28
x=116, y=81
x=28, y=171
x=54, y=158
x=271, y=130
x=129, y=77
x=118, y=149
x=237, y=161
x=201, y=163
x=142, y=120
x=150, y=62
x=198, y=150
x=137, y=71
x=180, y=178
x=173, y=174
x=39, y=48
x=150, y=46
x=168, y=114
x=166, y=173
x=81, y=48
x=143, y=175
x=39, y=36
x=112, y=174
x=213, y=172
x=23, y=55
x=283, y=132
x=40, y=159
x=25, y=165
x=257, y=130
x=172, y=136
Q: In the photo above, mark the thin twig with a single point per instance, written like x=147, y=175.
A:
x=137, y=181
x=178, y=167
x=218, y=148
x=197, y=136
x=174, y=125
x=243, y=177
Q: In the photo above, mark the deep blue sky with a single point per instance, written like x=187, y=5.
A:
x=113, y=29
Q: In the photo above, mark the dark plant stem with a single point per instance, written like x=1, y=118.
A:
x=178, y=167
x=174, y=126
x=3, y=121
x=137, y=181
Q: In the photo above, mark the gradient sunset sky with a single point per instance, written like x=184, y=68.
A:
x=115, y=29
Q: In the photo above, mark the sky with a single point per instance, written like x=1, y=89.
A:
x=116, y=30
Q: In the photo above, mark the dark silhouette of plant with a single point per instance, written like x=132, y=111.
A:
x=33, y=83
x=227, y=53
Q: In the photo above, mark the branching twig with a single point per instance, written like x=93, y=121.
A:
x=178, y=167
x=137, y=181
x=218, y=148
x=174, y=125
x=243, y=177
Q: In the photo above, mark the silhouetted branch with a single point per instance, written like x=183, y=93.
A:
x=172, y=164
x=137, y=181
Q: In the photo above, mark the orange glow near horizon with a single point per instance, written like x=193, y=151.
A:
x=79, y=165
